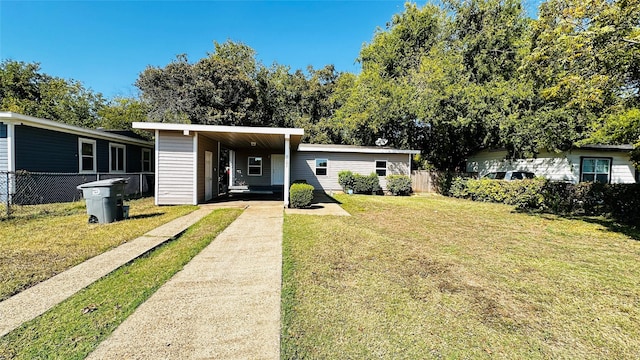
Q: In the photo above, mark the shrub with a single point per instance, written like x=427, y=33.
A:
x=346, y=180
x=366, y=184
x=300, y=195
x=399, y=184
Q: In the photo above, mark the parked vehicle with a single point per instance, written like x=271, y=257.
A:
x=509, y=175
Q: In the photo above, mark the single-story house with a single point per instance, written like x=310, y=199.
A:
x=35, y=145
x=602, y=163
x=196, y=163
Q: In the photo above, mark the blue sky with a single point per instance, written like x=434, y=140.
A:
x=106, y=44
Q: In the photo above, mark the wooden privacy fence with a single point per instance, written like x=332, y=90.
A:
x=433, y=181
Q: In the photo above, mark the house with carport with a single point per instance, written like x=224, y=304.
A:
x=197, y=163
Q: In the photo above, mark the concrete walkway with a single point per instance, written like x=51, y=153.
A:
x=224, y=304
x=37, y=299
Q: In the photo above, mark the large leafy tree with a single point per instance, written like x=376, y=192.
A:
x=585, y=61
x=218, y=89
x=25, y=89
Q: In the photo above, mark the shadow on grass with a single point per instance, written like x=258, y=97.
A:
x=608, y=224
x=145, y=216
x=320, y=197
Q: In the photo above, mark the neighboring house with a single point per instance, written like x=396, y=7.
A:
x=34, y=145
x=602, y=163
x=196, y=163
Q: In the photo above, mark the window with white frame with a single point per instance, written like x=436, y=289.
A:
x=321, y=166
x=596, y=170
x=86, y=156
x=255, y=166
x=146, y=160
x=381, y=167
x=117, y=156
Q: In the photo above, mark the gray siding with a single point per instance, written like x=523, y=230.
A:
x=175, y=169
x=242, y=163
x=4, y=155
x=303, y=167
x=206, y=144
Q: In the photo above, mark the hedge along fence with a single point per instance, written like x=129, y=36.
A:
x=399, y=184
x=620, y=202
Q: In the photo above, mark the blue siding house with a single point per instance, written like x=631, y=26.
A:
x=65, y=156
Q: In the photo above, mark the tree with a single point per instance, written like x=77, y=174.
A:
x=119, y=113
x=25, y=89
x=218, y=89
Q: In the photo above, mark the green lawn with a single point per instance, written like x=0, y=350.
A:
x=75, y=327
x=47, y=239
x=435, y=277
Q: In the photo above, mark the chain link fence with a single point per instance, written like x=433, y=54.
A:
x=21, y=189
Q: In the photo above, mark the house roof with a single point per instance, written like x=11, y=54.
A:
x=7, y=116
x=603, y=147
x=354, y=149
x=234, y=136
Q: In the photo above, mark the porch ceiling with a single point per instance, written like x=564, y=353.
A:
x=235, y=137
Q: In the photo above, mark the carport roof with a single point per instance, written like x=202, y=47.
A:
x=234, y=136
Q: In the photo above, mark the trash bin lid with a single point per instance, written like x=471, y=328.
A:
x=103, y=183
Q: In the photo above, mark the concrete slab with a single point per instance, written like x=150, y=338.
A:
x=37, y=299
x=224, y=304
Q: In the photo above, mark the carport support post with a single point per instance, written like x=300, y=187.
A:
x=287, y=167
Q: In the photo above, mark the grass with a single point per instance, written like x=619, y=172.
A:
x=48, y=239
x=435, y=277
x=75, y=327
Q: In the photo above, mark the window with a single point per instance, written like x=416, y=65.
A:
x=255, y=166
x=146, y=160
x=381, y=167
x=321, y=166
x=3, y=130
x=596, y=170
x=117, y=158
x=87, y=155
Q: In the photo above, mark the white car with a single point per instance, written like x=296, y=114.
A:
x=509, y=175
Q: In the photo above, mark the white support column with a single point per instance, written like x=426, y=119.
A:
x=194, y=185
x=156, y=168
x=11, y=159
x=287, y=168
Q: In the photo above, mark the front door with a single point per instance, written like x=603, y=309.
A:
x=277, y=169
x=208, y=175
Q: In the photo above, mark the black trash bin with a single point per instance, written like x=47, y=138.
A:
x=105, y=200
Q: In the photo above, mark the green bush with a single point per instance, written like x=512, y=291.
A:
x=300, y=195
x=399, y=184
x=618, y=201
x=346, y=180
x=366, y=184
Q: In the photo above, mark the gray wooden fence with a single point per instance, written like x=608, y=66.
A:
x=433, y=181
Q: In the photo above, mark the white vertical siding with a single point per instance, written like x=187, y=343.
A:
x=175, y=171
x=553, y=166
x=303, y=167
x=4, y=155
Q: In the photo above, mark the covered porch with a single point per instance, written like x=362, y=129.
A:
x=199, y=163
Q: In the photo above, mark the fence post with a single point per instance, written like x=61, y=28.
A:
x=141, y=187
x=8, y=201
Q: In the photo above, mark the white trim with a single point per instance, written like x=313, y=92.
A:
x=249, y=165
x=386, y=167
x=352, y=149
x=185, y=128
x=287, y=168
x=124, y=158
x=156, y=160
x=95, y=155
x=315, y=166
x=70, y=129
x=142, y=161
x=232, y=167
x=194, y=186
x=11, y=147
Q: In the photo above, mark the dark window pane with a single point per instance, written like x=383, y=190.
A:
x=588, y=177
x=254, y=170
x=381, y=172
x=321, y=171
x=602, y=178
x=588, y=165
x=120, y=159
x=87, y=163
x=255, y=161
x=87, y=149
x=381, y=164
